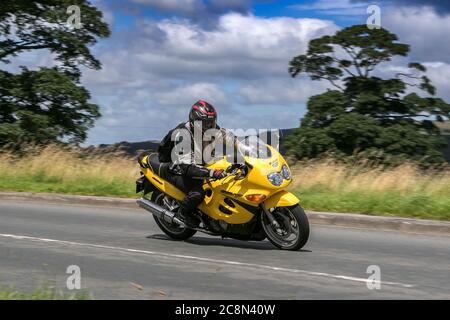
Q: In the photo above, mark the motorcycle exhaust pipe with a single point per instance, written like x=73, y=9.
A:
x=159, y=211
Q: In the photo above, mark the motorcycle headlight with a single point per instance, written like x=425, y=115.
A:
x=275, y=178
x=285, y=172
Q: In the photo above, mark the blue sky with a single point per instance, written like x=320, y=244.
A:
x=164, y=55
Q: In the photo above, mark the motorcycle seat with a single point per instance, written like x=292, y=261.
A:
x=153, y=161
x=160, y=168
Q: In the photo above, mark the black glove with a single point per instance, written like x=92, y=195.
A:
x=233, y=167
x=218, y=174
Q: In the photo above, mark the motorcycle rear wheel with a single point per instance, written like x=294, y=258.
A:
x=174, y=231
x=293, y=231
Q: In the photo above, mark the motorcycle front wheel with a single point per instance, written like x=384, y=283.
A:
x=292, y=231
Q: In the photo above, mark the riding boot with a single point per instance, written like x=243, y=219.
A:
x=185, y=214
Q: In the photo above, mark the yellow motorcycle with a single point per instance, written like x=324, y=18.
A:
x=250, y=203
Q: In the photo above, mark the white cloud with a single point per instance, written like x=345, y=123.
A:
x=281, y=91
x=241, y=47
x=155, y=71
x=426, y=31
x=421, y=27
x=439, y=74
x=244, y=36
x=186, y=95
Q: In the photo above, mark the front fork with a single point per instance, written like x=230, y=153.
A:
x=270, y=216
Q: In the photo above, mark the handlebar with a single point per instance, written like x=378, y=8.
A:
x=235, y=169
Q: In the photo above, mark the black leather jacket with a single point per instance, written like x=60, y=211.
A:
x=186, y=164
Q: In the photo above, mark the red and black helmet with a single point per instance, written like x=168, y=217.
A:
x=204, y=113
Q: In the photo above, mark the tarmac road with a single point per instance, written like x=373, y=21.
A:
x=123, y=255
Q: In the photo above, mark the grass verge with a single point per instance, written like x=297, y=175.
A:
x=403, y=191
x=41, y=294
x=322, y=186
x=58, y=170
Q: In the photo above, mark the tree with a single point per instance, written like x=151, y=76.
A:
x=382, y=119
x=47, y=104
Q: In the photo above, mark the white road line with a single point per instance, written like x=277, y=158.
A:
x=201, y=259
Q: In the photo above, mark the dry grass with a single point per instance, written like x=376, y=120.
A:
x=54, y=169
x=405, y=179
x=69, y=165
x=401, y=191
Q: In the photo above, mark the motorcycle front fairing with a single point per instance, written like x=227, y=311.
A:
x=256, y=181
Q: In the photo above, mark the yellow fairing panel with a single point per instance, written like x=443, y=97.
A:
x=281, y=199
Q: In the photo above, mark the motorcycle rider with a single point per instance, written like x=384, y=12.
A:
x=187, y=171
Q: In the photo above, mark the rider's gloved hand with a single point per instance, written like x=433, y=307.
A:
x=218, y=174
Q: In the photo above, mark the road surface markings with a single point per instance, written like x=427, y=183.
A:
x=201, y=259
